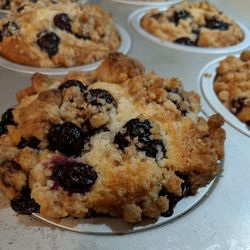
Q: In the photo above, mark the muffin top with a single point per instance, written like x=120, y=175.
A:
x=115, y=141
x=60, y=35
x=193, y=24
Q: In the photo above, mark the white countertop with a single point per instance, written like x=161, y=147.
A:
x=222, y=221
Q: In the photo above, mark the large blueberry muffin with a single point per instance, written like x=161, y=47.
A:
x=193, y=24
x=115, y=142
x=60, y=35
x=232, y=85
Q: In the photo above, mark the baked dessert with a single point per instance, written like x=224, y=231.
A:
x=18, y=5
x=193, y=24
x=15, y=4
x=115, y=142
x=60, y=35
x=232, y=85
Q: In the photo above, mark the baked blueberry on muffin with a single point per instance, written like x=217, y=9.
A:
x=60, y=35
x=115, y=141
x=232, y=85
x=193, y=24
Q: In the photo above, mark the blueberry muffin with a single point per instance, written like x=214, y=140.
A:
x=60, y=35
x=114, y=142
x=18, y=5
x=193, y=24
x=232, y=85
x=15, y=4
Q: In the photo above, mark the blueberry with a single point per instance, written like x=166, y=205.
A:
x=71, y=83
x=185, y=41
x=32, y=143
x=134, y=128
x=173, y=199
x=140, y=130
x=186, y=187
x=67, y=138
x=74, y=176
x=182, y=14
x=49, y=42
x=213, y=23
x=7, y=117
x=21, y=8
x=11, y=165
x=99, y=97
x=24, y=204
x=62, y=21
x=84, y=37
x=157, y=15
x=153, y=148
x=3, y=128
x=238, y=104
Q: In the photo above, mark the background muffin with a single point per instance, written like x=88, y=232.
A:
x=193, y=24
x=60, y=35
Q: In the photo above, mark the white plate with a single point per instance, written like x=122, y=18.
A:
x=147, y=3
x=135, y=19
x=124, y=48
x=206, y=80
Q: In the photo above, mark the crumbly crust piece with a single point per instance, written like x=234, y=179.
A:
x=141, y=143
x=193, y=24
x=60, y=35
x=232, y=85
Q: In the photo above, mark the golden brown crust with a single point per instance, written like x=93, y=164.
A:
x=191, y=21
x=34, y=37
x=119, y=68
x=136, y=177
